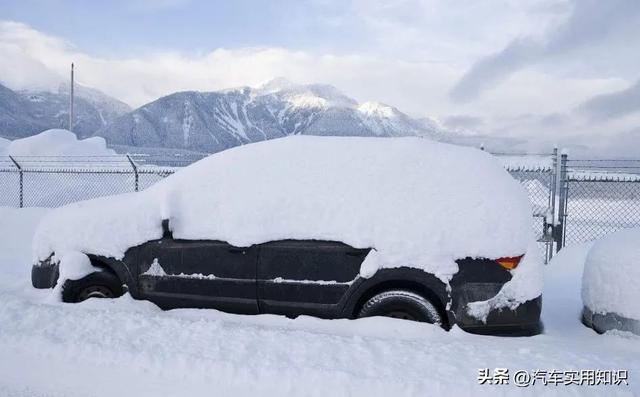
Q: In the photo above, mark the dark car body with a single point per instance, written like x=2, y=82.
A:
x=603, y=322
x=299, y=277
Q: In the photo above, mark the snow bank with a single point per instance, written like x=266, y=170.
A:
x=17, y=226
x=612, y=273
x=56, y=142
x=416, y=202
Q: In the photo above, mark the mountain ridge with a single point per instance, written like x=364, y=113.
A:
x=25, y=113
x=217, y=120
x=207, y=121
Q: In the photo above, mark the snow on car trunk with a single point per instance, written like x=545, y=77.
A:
x=417, y=202
x=612, y=273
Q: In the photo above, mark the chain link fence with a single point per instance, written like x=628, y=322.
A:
x=53, y=181
x=572, y=200
x=602, y=196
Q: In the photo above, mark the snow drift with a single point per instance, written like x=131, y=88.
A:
x=56, y=142
x=611, y=275
x=418, y=203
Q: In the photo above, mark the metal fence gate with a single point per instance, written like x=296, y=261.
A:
x=540, y=174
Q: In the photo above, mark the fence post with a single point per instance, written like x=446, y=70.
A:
x=21, y=176
x=564, y=198
x=554, y=182
x=135, y=171
x=560, y=203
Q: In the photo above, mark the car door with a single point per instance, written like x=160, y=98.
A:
x=305, y=277
x=207, y=274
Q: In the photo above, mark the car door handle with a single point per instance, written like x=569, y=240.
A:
x=236, y=251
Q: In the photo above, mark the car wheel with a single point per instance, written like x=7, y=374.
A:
x=401, y=304
x=103, y=284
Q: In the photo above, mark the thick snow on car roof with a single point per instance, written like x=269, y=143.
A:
x=612, y=273
x=416, y=202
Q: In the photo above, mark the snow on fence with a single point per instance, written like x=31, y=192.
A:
x=572, y=200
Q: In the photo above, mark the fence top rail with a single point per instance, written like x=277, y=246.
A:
x=89, y=161
x=523, y=154
x=135, y=155
x=530, y=163
x=618, y=166
x=604, y=160
x=580, y=169
x=145, y=169
x=601, y=176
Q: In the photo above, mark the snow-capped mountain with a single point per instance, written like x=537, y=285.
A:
x=25, y=113
x=214, y=121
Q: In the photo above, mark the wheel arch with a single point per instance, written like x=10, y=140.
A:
x=413, y=280
x=117, y=268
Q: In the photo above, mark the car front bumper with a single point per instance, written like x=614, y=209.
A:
x=44, y=274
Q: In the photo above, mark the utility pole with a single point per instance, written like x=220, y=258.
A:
x=71, y=102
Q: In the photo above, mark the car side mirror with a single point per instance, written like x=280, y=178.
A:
x=166, y=232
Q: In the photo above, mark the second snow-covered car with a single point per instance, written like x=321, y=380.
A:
x=329, y=227
x=610, y=280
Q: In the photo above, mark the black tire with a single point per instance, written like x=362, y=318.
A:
x=102, y=284
x=401, y=304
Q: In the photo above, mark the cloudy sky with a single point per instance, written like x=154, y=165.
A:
x=549, y=69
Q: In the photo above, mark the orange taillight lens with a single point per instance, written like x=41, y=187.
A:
x=510, y=262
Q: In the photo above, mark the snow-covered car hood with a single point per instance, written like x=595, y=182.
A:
x=416, y=202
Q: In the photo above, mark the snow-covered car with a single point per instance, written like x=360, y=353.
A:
x=329, y=227
x=610, y=292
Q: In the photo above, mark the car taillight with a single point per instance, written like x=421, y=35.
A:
x=510, y=262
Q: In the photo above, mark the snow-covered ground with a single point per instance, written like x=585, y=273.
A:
x=126, y=347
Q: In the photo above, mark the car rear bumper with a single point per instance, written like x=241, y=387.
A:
x=44, y=274
x=481, y=280
x=524, y=320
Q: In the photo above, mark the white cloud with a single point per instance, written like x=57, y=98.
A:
x=590, y=33
x=459, y=31
x=527, y=102
x=615, y=104
x=139, y=80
